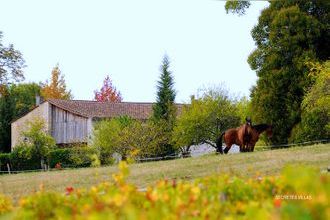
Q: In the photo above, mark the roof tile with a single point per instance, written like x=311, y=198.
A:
x=94, y=109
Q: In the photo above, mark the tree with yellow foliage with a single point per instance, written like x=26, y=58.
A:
x=56, y=89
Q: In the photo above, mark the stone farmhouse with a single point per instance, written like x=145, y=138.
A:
x=71, y=121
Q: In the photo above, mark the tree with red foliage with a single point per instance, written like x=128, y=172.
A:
x=108, y=92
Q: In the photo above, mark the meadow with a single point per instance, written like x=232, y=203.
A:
x=245, y=165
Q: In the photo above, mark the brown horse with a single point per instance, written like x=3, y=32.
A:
x=240, y=136
x=245, y=136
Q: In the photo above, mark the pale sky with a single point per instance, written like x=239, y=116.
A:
x=127, y=39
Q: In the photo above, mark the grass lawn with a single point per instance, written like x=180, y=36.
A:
x=143, y=174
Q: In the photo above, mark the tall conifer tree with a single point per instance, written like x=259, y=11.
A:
x=164, y=111
x=164, y=107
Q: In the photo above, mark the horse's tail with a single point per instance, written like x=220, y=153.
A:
x=218, y=143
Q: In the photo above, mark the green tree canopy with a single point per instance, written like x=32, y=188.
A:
x=205, y=119
x=7, y=109
x=237, y=7
x=16, y=100
x=129, y=138
x=24, y=96
x=288, y=34
x=106, y=137
x=315, y=123
x=11, y=64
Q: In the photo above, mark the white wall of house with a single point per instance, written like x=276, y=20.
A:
x=21, y=124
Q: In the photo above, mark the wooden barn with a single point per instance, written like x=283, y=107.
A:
x=71, y=121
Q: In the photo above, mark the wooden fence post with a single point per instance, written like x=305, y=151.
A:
x=42, y=163
x=8, y=167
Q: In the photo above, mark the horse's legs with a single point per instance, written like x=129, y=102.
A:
x=219, y=150
x=241, y=148
x=227, y=148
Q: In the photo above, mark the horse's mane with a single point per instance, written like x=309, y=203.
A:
x=261, y=127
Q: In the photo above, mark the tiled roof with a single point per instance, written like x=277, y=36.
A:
x=94, y=109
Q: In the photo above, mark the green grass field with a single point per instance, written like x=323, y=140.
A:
x=143, y=174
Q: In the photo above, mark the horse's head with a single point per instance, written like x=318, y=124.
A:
x=248, y=121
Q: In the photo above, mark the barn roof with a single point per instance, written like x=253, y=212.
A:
x=94, y=109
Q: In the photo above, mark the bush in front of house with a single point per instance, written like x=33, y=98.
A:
x=114, y=137
x=32, y=152
x=75, y=156
x=83, y=156
x=38, y=139
x=105, y=138
x=59, y=156
x=129, y=138
x=39, y=149
x=24, y=157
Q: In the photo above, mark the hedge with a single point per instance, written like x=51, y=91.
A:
x=59, y=156
x=24, y=158
x=73, y=157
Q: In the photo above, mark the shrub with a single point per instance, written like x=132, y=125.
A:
x=130, y=139
x=105, y=138
x=82, y=156
x=315, y=116
x=77, y=156
x=37, y=138
x=150, y=139
x=24, y=157
x=95, y=161
x=31, y=153
x=61, y=155
x=298, y=193
x=115, y=136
